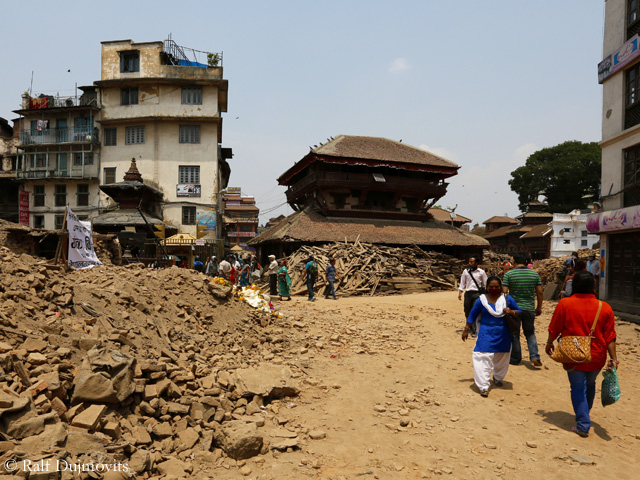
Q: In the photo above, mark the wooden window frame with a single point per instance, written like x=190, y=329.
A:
x=192, y=95
x=188, y=215
x=189, y=174
x=84, y=195
x=110, y=137
x=39, y=198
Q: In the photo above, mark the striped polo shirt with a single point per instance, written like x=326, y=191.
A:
x=522, y=282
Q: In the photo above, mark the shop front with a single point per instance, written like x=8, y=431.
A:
x=620, y=259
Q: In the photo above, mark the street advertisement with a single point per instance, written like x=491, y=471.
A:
x=613, y=220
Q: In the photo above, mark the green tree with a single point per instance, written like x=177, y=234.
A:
x=565, y=174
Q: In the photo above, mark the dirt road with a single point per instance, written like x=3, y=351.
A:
x=389, y=386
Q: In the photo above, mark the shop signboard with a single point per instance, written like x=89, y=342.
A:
x=23, y=207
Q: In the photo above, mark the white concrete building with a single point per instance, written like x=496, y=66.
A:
x=570, y=233
x=619, y=221
x=164, y=109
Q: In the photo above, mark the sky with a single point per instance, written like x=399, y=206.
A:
x=483, y=84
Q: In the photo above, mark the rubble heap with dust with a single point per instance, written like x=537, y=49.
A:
x=161, y=370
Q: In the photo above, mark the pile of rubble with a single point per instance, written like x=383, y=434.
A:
x=551, y=269
x=367, y=269
x=162, y=371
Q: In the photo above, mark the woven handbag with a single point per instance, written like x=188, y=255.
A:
x=575, y=349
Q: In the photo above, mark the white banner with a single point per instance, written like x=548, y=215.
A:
x=81, y=252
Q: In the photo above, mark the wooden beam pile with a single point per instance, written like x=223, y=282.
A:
x=367, y=269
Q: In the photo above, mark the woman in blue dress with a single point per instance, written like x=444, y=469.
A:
x=493, y=345
x=244, y=273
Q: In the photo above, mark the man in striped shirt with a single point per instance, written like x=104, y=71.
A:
x=523, y=284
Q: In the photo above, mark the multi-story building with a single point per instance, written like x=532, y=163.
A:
x=570, y=233
x=162, y=104
x=619, y=221
x=240, y=218
x=8, y=186
x=58, y=156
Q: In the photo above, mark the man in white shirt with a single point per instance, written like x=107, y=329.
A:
x=472, y=282
x=225, y=269
x=273, y=275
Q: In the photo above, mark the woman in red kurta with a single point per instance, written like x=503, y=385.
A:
x=573, y=316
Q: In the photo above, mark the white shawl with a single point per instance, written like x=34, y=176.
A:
x=501, y=304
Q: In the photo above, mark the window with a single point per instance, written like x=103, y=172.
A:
x=84, y=218
x=38, y=221
x=631, y=178
x=38, y=196
x=633, y=15
x=130, y=61
x=566, y=242
x=192, y=95
x=39, y=160
x=129, y=96
x=110, y=137
x=59, y=221
x=189, y=175
x=584, y=233
x=83, y=195
x=567, y=230
x=632, y=97
x=189, y=133
x=134, y=135
x=188, y=215
x=583, y=243
x=77, y=159
x=61, y=196
x=109, y=175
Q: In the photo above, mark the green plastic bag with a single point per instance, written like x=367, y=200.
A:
x=610, y=391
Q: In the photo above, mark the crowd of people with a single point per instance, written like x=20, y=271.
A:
x=243, y=271
x=496, y=310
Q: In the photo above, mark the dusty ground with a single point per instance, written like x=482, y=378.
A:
x=374, y=363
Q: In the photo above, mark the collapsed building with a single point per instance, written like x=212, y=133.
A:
x=377, y=190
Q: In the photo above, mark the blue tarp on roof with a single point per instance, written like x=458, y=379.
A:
x=187, y=63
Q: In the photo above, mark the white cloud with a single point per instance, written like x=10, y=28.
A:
x=523, y=152
x=400, y=64
x=441, y=152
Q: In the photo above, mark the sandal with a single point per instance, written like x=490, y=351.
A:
x=579, y=432
x=497, y=383
x=484, y=393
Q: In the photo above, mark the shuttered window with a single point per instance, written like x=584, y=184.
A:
x=134, y=135
x=190, y=174
x=189, y=133
x=192, y=95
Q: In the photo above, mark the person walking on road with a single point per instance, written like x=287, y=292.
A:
x=312, y=274
x=284, y=281
x=593, y=267
x=575, y=316
x=491, y=352
x=472, y=283
x=524, y=285
x=331, y=279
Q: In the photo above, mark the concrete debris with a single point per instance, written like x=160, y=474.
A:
x=158, y=369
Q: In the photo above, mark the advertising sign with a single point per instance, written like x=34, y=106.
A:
x=81, y=252
x=188, y=190
x=23, y=207
x=612, y=220
x=236, y=190
x=207, y=219
x=619, y=59
x=241, y=234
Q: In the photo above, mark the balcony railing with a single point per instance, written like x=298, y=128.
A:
x=89, y=171
x=50, y=101
x=59, y=135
